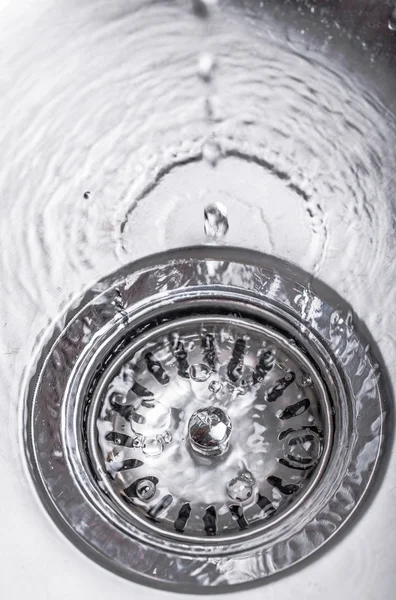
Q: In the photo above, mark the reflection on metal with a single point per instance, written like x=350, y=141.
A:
x=203, y=420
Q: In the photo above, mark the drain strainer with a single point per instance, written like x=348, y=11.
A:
x=209, y=425
x=204, y=422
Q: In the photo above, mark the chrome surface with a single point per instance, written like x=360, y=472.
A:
x=88, y=482
x=121, y=123
x=261, y=423
x=209, y=431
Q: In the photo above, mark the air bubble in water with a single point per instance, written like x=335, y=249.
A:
x=392, y=20
x=215, y=386
x=167, y=437
x=216, y=220
x=211, y=152
x=153, y=446
x=239, y=489
x=145, y=489
x=118, y=398
x=303, y=449
x=206, y=64
x=199, y=372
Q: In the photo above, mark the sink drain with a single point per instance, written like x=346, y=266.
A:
x=209, y=426
x=204, y=421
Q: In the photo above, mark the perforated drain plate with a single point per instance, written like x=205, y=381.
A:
x=200, y=422
x=209, y=425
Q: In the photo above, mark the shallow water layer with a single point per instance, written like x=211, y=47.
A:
x=122, y=122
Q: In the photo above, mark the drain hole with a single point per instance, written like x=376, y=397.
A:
x=131, y=463
x=264, y=366
x=235, y=366
x=159, y=508
x=183, y=516
x=140, y=390
x=210, y=521
x=156, y=369
x=265, y=505
x=238, y=515
x=280, y=386
x=287, y=489
x=181, y=356
x=209, y=351
x=294, y=410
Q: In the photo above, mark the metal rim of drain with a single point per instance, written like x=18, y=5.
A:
x=129, y=306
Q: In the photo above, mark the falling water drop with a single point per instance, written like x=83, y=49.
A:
x=216, y=220
x=201, y=8
x=392, y=20
x=206, y=64
x=211, y=152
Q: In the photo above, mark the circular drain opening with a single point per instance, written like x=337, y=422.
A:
x=201, y=421
x=209, y=426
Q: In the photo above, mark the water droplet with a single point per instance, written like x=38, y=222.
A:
x=303, y=449
x=201, y=7
x=167, y=437
x=216, y=221
x=118, y=398
x=199, y=372
x=306, y=380
x=145, y=489
x=239, y=489
x=211, y=152
x=206, y=64
x=392, y=20
x=215, y=386
x=153, y=447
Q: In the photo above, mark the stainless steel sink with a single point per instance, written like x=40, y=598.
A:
x=197, y=347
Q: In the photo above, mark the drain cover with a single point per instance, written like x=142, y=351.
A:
x=203, y=422
x=209, y=425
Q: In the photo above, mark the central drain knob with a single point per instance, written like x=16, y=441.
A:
x=209, y=431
